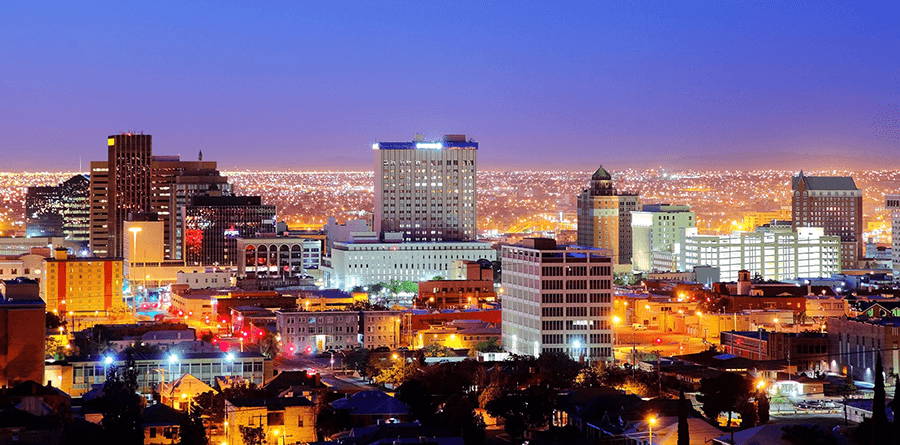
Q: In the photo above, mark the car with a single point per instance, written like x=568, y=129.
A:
x=639, y=327
x=382, y=349
x=403, y=348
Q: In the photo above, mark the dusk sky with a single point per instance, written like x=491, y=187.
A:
x=301, y=85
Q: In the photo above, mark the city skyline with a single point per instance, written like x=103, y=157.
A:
x=538, y=86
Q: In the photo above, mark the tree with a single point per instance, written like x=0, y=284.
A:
x=762, y=404
x=252, y=435
x=490, y=345
x=192, y=431
x=459, y=414
x=358, y=360
x=121, y=404
x=409, y=286
x=398, y=373
x=727, y=393
x=436, y=350
x=268, y=345
x=879, y=414
x=55, y=348
x=53, y=322
x=119, y=310
x=415, y=394
x=558, y=370
x=521, y=410
x=684, y=434
x=895, y=407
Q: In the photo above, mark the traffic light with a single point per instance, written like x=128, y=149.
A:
x=658, y=341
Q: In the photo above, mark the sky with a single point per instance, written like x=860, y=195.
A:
x=540, y=85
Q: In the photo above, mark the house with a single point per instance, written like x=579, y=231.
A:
x=180, y=393
x=285, y=420
x=368, y=407
x=297, y=384
x=161, y=424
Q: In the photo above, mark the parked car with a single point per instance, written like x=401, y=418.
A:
x=639, y=327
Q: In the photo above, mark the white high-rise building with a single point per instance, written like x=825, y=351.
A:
x=774, y=254
x=657, y=231
x=557, y=299
x=892, y=203
x=426, y=190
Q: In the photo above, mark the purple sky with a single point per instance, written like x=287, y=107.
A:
x=297, y=85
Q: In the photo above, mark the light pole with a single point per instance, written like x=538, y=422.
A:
x=133, y=254
x=650, y=422
x=615, y=321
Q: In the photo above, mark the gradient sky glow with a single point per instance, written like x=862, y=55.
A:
x=310, y=85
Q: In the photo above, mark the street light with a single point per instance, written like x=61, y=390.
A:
x=134, y=231
x=651, y=421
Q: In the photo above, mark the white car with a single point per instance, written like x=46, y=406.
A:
x=639, y=327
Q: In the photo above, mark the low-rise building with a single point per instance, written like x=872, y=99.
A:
x=855, y=342
x=805, y=351
x=22, y=332
x=772, y=253
x=309, y=331
x=365, y=263
x=457, y=334
x=85, y=372
x=444, y=294
x=370, y=407
x=285, y=420
x=74, y=284
x=161, y=424
x=278, y=256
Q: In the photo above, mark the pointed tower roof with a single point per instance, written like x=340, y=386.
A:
x=601, y=175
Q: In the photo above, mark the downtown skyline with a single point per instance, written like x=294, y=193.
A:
x=641, y=86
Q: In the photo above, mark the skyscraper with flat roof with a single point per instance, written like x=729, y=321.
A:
x=128, y=184
x=426, y=190
x=833, y=203
x=558, y=299
x=99, y=209
x=213, y=224
x=59, y=210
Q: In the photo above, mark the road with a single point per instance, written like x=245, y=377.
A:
x=646, y=341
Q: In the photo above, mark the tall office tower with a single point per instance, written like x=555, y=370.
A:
x=834, y=204
x=558, y=299
x=75, y=204
x=59, y=210
x=426, y=190
x=42, y=215
x=604, y=217
x=892, y=203
x=172, y=183
x=129, y=184
x=657, y=233
x=99, y=209
x=212, y=225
